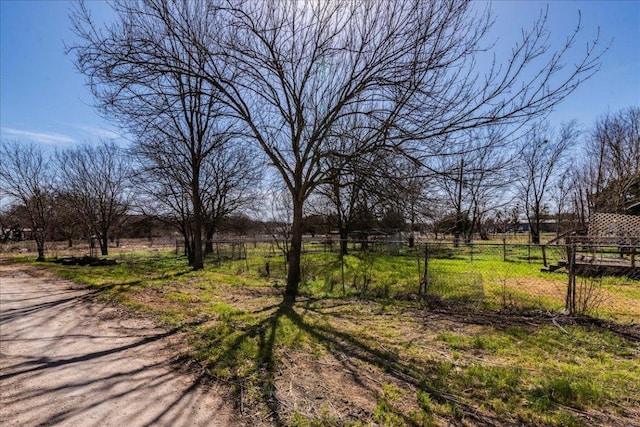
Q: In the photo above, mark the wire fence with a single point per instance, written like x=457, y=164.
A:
x=578, y=277
x=600, y=280
x=582, y=276
x=84, y=247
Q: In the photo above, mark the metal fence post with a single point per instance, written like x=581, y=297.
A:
x=504, y=248
x=424, y=285
x=570, y=302
x=341, y=246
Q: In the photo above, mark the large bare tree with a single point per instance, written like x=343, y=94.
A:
x=295, y=72
x=172, y=112
x=228, y=176
x=353, y=185
x=26, y=178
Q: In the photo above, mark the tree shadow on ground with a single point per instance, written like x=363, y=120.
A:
x=60, y=365
x=84, y=387
x=351, y=350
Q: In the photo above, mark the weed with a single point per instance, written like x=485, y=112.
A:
x=492, y=381
x=387, y=413
x=572, y=392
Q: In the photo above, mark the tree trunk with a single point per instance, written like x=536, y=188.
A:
x=456, y=236
x=196, y=248
x=40, y=246
x=364, y=242
x=458, y=229
x=295, y=253
x=344, y=241
x=208, y=244
x=198, y=261
x=535, y=237
x=535, y=232
x=104, y=242
x=412, y=238
x=186, y=235
x=188, y=250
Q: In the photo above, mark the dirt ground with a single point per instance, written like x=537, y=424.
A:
x=67, y=360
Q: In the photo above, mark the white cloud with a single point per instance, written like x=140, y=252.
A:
x=99, y=132
x=40, y=137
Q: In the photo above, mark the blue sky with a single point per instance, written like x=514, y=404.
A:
x=43, y=99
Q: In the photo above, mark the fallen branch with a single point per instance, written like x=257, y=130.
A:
x=553, y=319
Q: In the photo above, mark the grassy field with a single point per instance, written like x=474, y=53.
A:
x=492, y=350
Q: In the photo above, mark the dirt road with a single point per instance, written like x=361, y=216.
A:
x=65, y=360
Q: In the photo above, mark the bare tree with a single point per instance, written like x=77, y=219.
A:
x=227, y=178
x=67, y=221
x=358, y=181
x=416, y=201
x=349, y=191
x=185, y=144
x=14, y=219
x=579, y=188
x=542, y=160
x=97, y=180
x=163, y=198
x=294, y=73
x=473, y=180
x=614, y=154
x=26, y=178
x=227, y=184
x=560, y=194
x=231, y=175
x=487, y=176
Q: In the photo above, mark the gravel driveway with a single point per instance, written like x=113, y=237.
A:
x=65, y=360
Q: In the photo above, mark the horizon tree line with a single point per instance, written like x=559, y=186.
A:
x=91, y=191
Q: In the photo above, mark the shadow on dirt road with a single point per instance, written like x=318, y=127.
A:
x=65, y=360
